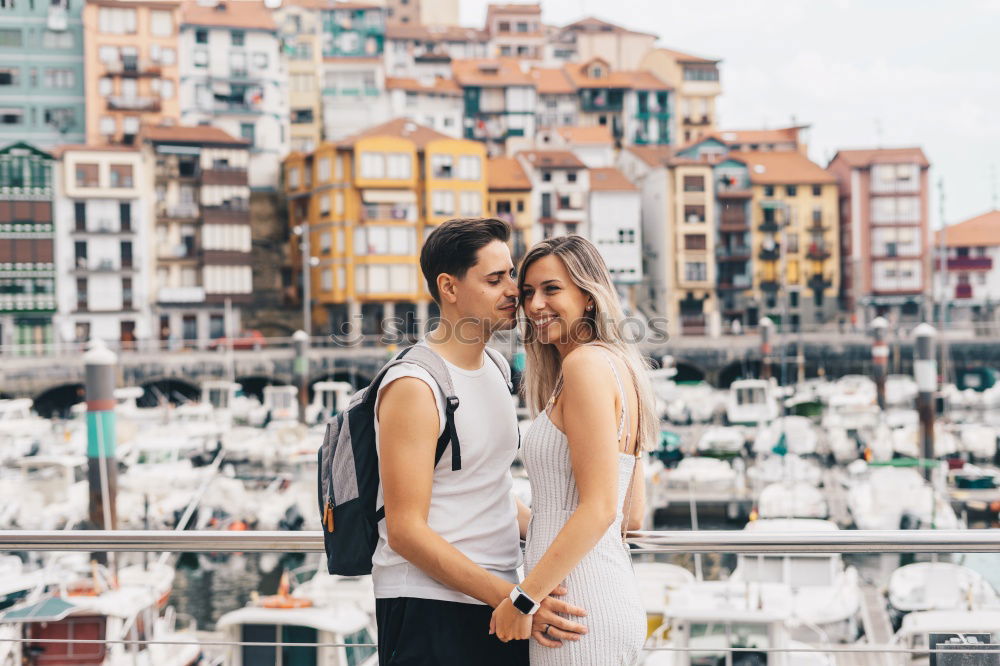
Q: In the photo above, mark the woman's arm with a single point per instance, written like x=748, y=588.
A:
x=590, y=423
x=523, y=518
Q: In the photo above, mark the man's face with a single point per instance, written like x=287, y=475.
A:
x=488, y=292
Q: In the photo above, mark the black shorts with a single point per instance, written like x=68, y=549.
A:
x=414, y=632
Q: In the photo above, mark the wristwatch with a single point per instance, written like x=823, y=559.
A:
x=523, y=602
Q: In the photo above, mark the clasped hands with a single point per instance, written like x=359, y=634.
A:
x=546, y=626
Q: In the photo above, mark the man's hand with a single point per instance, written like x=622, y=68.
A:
x=550, y=629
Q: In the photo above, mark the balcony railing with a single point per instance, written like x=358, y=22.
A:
x=739, y=281
x=769, y=284
x=818, y=281
x=399, y=212
x=733, y=253
x=768, y=226
x=818, y=252
x=133, y=67
x=770, y=254
x=963, y=290
x=969, y=263
x=123, y=103
x=180, y=211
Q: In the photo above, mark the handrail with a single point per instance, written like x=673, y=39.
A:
x=704, y=541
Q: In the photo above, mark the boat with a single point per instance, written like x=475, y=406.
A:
x=906, y=441
x=790, y=434
x=792, y=499
x=657, y=581
x=692, y=403
x=280, y=408
x=825, y=593
x=702, y=473
x=842, y=444
x=851, y=403
x=978, y=440
x=887, y=497
x=751, y=402
x=721, y=441
x=329, y=399
x=771, y=468
x=900, y=391
x=917, y=626
x=21, y=430
x=938, y=586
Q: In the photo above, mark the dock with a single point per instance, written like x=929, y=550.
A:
x=878, y=628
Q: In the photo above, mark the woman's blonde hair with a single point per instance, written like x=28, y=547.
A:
x=603, y=325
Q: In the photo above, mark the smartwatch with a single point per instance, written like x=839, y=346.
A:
x=523, y=602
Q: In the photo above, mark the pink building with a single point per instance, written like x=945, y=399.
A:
x=884, y=231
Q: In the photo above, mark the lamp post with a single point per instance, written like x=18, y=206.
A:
x=880, y=356
x=302, y=231
x=925, y=373
x=766, y=327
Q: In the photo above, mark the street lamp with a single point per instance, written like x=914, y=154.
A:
x=302, y=231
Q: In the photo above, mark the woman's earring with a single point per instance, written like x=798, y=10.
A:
x=590, y=307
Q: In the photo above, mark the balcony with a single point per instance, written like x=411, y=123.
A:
x=733, y=223
x=179, y=211
x=963, y=290
x=181, y=295
x=817, y=252
x=104, y=227
x=693, y=324
x=768, y=227
x=818, y=282
x=770, y=254
x=733, y=253
x=122, y=103
x=817, y=226
x=738, y=281
x=769, y=285
x=697, y=120
x=225, y=214
x=224, y=175
x=133, y=67
x=738, y=191
x=83, y=267
x=969, y=263
x=393, y=212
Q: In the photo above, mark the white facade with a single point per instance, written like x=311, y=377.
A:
x=102, y=244
x=557, y=110
x=559, y=197
x=354, y=96
x=439, y=111
x=972, y=279
x=657, y=239
x=616, y=230
x=235, y=80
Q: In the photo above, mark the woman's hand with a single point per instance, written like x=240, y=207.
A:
x=510, y=624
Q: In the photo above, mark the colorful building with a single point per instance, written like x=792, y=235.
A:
x=103, y=257
x=969, y=280
x=510, y=200
x=425, y=50
x=500, y=101
x=132, y=67
x=27, y=246
x=560, y=189
x=884, y=232
x=201, y=245
x=300, y=30
x=41, y=73
x=433, y=102
x=367, y=203
x=591, y=37
x=516, y=31
x=695, y=81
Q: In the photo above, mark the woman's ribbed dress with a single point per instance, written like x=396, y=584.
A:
x=603, y=583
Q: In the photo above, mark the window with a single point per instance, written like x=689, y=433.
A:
x=695, y=271
x=116, y=20
x=293, y=177
x=260, y=60
x=546, y=176
x=107, y=125
x=200, y=57
x=121, y=175
x=326, y=280
x=125, y=216
x=238, y=37
x=11, y=116
x=694, y=242
x=469, y=167
x=520, y=205
x=443, y=202
x=504, y=26
x=161, y=24
x=694, y=214
x=571, y=176
x=694, y=183
x=86, y=175
x=325, y=240
x=166, y=89
x=372, y=165
x=793, y=242
x=626, y=236
x=338, y=203
x=324, y=205
x=201, y=36
x=168, y=56
x=9, y=76
x=471, y=204
x=441, y=166
x=80, y=253
x=247, y=131
x=769, y=190
x=52, y=40
x=791, y=190
x=300, y=116
x=398, y=165
x=817, y=190
x=80, y=216
x=11, y=37
x=323, y=169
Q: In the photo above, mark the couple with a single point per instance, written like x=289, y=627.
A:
x=445, y=567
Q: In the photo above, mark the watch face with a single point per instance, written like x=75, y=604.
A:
x=523, y=604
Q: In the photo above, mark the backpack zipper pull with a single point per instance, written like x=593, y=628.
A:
x=328, y=515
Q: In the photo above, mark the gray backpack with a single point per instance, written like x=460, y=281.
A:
x=348, y=464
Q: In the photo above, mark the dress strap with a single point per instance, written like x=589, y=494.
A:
x=623, y=421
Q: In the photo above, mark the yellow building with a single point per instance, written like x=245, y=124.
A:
x=691, y=295
x=367, y=203
x=299, y=25
x=794, y=237
x=131, y=67
x=510, y=200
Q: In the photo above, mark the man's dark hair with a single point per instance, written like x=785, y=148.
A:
x=452, y=247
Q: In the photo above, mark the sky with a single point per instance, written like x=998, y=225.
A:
x=862, y=73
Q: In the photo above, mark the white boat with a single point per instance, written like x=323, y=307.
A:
x=916, y=627
x=851, y=402
x=704, y=620
x=906, y=441
x=751, y=402
x=900, y=391
x=825, y=593
x=841, y=444
x=795, y=433
x=936, y=586
x=770, y=468
x=724, y=440
x=329, y=399
x=979, y=441
x=702, y=473
x=692, y=403
x=795, y=499
x=657, y=581
x=664, y=387
x=231, y=405
x=889, y=498
x=21, y=430
x=280, y=407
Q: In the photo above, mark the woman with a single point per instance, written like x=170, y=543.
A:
x=593, y=405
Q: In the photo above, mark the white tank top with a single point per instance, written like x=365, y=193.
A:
x=473, y=508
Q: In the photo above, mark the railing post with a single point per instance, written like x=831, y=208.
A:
x=880, y=357
x=102, y=470
x=766, y=327
x=300, y=370
x=925, y=374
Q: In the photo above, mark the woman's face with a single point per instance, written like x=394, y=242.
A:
x=554, y=304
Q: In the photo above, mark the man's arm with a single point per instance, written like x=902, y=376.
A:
x=523, y=518
x=408, y=432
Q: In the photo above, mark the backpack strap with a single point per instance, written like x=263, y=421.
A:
x=501, y=363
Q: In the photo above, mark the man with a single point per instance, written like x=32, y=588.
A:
x=448, y=548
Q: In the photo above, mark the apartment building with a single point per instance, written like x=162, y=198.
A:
x=102, y=209
x=300, y=31
x=200, y=245
x=516, y=31
x=414, y=50
x=27, y=246
x=232, y=78
x=353, y=70
x=560, y=189
x=422, y=12
x=969, y=278
x=41, y=73
x=695, y=81
x=635, y=105
x=558, y=103
x=509, y=198
x=593, y=145
x=500, y=101
x=366, y=203
x=793, y=138
x=132, y=67
x=884, y=231
x=616, y=229
x=591, y=37
x=432, y=102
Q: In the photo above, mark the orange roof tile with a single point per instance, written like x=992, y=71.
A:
x=553, y=159
x=682, y=57
x=779, y=135
x=654, y=156
x=189, y=134
x=552, y=81
x=246, y=14
x=639, y=80
x=404, y=128
x=434, y=33
x=782, y=167
x=487, y=72
x=609, y=179
x=579, y=135
x=333, y=4
x=594, y=24
x=864, y=158
x=980, y=231
x=436, y=85
x=59, y=151
x=506, y=173
x=514, y=8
